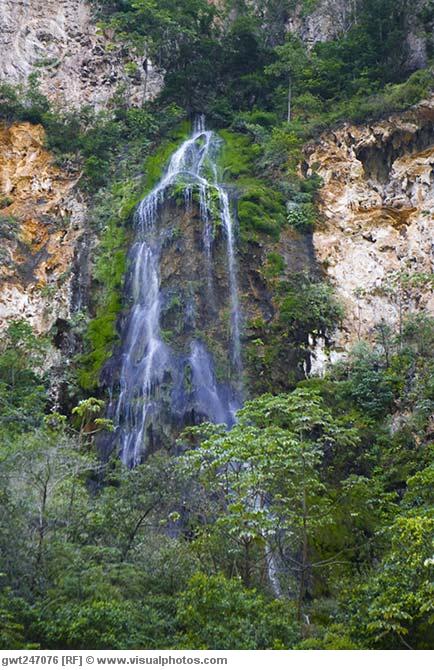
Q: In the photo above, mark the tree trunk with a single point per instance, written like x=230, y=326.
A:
x=247, y=573
x=145, y=83
x=304, y=552
x=289, y=98
x=41, y=534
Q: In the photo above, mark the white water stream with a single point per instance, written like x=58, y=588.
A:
x=146, y=357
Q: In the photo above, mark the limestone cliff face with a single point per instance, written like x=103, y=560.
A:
x=377, y=207
x=327, y=19
x=41, y=222
x=77, y=64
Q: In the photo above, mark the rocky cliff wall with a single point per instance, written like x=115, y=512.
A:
x=376, y=238
x=77, y=63
x=42, y=218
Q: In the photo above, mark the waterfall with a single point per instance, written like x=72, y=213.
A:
x=152, y=377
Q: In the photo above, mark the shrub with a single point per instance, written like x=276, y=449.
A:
x=219, y=613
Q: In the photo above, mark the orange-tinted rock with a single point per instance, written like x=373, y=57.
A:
x=42, y=217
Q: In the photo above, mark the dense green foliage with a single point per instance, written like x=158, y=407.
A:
x=307, y=525
x=260, y=208
x=223, y=68
x=276, y=352
x=22, y=386
x=312, y=485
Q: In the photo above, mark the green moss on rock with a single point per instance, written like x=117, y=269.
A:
x=155, y=164
x=108, y=273
x=261, y=209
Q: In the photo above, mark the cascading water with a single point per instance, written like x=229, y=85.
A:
x=154, y=378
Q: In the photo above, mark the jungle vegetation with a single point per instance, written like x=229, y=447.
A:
x=331, y=478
